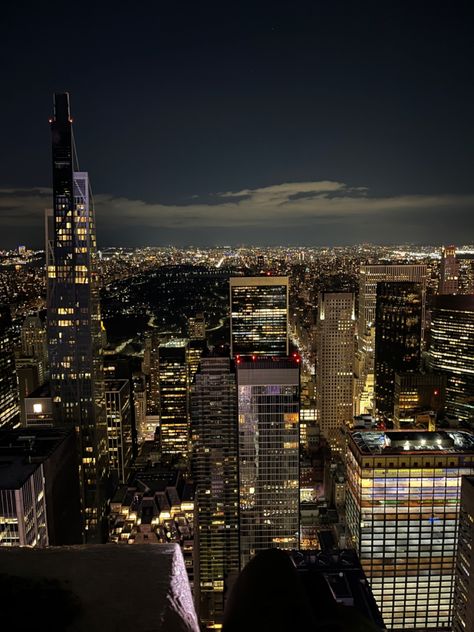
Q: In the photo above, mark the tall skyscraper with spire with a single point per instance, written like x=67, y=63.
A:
x=73, y=322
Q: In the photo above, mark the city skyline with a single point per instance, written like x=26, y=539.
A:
x=314, y=125
x=294, y=423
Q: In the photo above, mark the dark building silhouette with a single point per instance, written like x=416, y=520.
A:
x=398, y=331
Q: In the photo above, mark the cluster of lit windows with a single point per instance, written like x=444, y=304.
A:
x=268, y=465
x=259, y=319
x=404, y=522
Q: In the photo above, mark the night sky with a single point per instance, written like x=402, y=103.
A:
x=224, y=123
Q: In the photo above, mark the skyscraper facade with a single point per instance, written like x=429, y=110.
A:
x=370, y=275
x=214, y=430
x=9, y=404
x=463, y=612
x=119, y=428
x=33, y=339
x=452, y=350
x=335, y=346
x=402, y=511
x=73, y=317
x=39, y=488
x=268, y=412
x=259, y=316
x=398, y=331
x=449, y=272
x=173, y=397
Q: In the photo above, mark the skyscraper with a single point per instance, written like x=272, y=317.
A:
x=9, y=404
x=268, y=411
x=33, y=339
x=214, y=430
x=119, y=428
x=335, y=340
x=259, y=316
x=173, y=397
x=463, y=612
x=73, y=318
x=449, y=272
x=369, y=276
x=452, y=350
x=197, y=327
x=398, y=331
x=39, y=488
x=402, y=511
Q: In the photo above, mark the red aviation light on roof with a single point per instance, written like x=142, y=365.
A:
x=253, y=358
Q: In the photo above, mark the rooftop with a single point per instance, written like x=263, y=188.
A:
x=405, y=441
x=174, y=343
x=22, y=450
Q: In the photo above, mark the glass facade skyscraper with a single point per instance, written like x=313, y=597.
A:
x=268, y=398
x=398, y=332
x=173, y=397
x=259, y=316
x=215, y=474
x=402, y=511
x=73, y=317
x=452, y=350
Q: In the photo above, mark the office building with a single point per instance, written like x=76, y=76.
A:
x=39, y=407
x=398, y=330
x=156, y=506
x=214, y=431
x=259, y=316
x=449, y=272
x=463, y=611
x=195, y=349
x=151, y=371
x=119, y=428
x=268, y=402
x=335, y=347
x=173, y=397
x=33, y=340
x=402, y=512
x=29, y=372
x=417, y=397
x=9, y=404
x=197, y=327
x=39, y=488
x=371, y=275
x=73, y=317
x=452, y=351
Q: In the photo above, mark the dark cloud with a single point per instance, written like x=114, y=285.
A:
x=328, y=211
